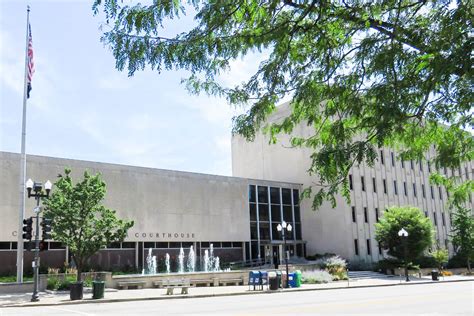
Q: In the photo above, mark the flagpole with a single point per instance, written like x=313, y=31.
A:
x=21, y=214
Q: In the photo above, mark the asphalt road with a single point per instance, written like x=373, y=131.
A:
x=427, y=299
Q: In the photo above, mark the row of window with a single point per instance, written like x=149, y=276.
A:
x=264, y=214
x=420, y=164
x=12, y=245
x=275, y=196
x=395, y=188
x=377, y=215
x=207, y=244
x=369, y=248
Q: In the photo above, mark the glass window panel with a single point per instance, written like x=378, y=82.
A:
x=286, y=196
x=226, y=244
x=236, y=244
x=296, y=197
x=262, y=194
x=57, y=245
x=275, y=195
x=253, y=231
x=5, y=245
x=175, y=244
x=128, y=245
x=298, y=231
x=275, y=233
x=146, y=245
x=287, y=216
x=204, y=245
x=264, y=231
x=254, y=251
x=276, y=215
x=297, y=214
x=263, y=212
x=14, y=245
x=253, y=212
x=162, y=245
x=185, y=244
x=252, y=193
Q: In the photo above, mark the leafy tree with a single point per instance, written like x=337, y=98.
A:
x=462, y=223
x=80, y=221
x=389, y=73
x=441, y=256
x=419, y=228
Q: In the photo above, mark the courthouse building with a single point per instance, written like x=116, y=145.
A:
x=238, y=215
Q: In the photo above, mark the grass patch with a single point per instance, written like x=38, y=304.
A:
x=12, y=279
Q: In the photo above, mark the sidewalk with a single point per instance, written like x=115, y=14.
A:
x=113, y=295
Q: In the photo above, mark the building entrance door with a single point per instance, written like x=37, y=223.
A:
x=276, y=256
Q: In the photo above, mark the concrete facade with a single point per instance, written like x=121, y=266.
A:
x=170, y=209
x=337, y=230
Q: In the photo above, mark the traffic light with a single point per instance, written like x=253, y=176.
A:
x=28, y=228
x=46, y=227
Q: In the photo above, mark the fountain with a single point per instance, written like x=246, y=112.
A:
x=206, y=260
x=167, y=263
x=191, y=264
x=150, y=263
x=181, y=260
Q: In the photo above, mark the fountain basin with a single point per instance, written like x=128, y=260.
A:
x=196, y=278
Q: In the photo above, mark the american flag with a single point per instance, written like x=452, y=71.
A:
x=31, y=62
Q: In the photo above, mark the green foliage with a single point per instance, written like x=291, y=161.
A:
x=392, y=73
x=462, y=223
x=441, y=257
x=80, y=221
x=419, y=228
x=53, y=283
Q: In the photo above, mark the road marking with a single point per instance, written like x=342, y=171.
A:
x=69, y=311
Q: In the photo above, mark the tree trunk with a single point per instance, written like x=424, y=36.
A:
x=79, y=270
x=468, y=265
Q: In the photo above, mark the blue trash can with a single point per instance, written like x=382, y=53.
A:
x=292, y=279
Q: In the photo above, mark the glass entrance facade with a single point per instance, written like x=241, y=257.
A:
x=268, y=207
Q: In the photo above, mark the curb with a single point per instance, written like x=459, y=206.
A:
x=154, y=298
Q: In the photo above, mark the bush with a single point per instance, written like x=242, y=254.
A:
x=458, y=261
x=426, y=262
x=446, y=273
x=53, y=283
x=316, y=277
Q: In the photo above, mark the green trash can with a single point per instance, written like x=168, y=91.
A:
x=298, y=278
x=279, y=278
x=98, y=288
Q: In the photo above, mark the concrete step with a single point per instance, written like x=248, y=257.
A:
x=366, y=275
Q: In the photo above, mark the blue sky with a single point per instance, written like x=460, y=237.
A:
x=81, y=107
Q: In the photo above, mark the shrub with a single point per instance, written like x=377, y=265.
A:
x=459, y=260
x=53, y=283
x=316, y=277
x=426, y=262
x=446, y=273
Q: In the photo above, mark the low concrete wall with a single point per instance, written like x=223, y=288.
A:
x=427, y=271
x=149, y=279
x=10, y=288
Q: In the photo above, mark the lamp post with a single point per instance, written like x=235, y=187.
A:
x=283, y=228
x=37, y=193
x=402, y=233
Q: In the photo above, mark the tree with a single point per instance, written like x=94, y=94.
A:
x=462, y=223
x=419, y=228
x=441, y=256
x=79, y=220
x=364, y=74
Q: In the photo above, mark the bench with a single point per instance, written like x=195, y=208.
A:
x=126, y=284
x=235, y=281
x=182, y=284
x=207, y=282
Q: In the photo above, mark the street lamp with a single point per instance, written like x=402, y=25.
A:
x=402, y=233
x=283, y=228
x=37, y=193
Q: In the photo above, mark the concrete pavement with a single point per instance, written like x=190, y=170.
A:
x=112, y=295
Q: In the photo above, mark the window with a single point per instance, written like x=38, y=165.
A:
x=356, y=247
x=380, y=249
x=354, y=219
x=403, y=164
x=4, y=245
x=405, y=188
x=411, y=164
x=366, y=216
x=467, y=173
x=275, y=195
x=350, y=182
x=262, y=194
x=429, y=167
x=414, y=189
x=432, y=191
x=423, y=191
x=276, y=214
x=434, y=219
x=395, y=188
x=421, y=165
x=446, y=243
x=443, y=219
x=253, y=212
x=296, y=197
x=377, y=214
x=384, y=186
x=440, y=193
x=369, y=252
x=286, y=196
x=252, y=193
x=392, y=156
x=381, y=157
x=374, y=185
x=363, y=183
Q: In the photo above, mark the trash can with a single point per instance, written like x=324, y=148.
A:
x=98, y=288
x=297, y=278
x=273, y=281
x=434, y=275
x=278, y=273
x=292, y=279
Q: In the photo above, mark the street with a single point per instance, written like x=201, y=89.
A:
x=427, y=299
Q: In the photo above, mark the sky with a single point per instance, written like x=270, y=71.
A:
x=81, y=107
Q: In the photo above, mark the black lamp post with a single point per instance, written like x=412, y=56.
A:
x=404, y=235
x=283, y=228
x=37, y=193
